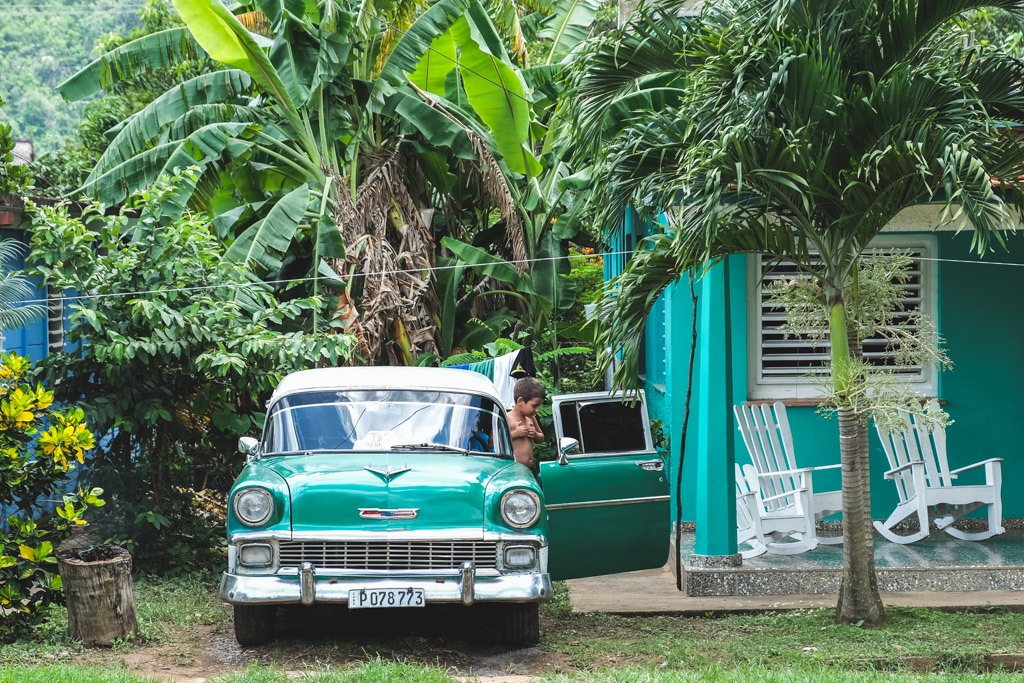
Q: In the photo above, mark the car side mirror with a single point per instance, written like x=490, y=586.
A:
x=249, y=447
x=567, y=446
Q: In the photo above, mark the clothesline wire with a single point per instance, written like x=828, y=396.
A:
x=317, y=278
x=329, y=279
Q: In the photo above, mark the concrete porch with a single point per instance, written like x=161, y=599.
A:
x=938, y=563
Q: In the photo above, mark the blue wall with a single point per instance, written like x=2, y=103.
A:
x=30, y=340
x=980, y=316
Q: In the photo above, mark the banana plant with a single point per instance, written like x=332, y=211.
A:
x=313, y=142
x=544, y=216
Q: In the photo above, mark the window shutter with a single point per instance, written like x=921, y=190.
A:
x=800, y=358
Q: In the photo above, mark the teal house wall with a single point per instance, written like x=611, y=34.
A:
x=979, y=313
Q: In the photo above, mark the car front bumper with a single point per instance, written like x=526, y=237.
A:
x=307, y=588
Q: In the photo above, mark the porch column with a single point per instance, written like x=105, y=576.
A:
x=715, y=543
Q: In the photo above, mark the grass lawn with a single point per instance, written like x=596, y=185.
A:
x=186, y=633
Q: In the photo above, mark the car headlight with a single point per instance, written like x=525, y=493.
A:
x=520, y=508
x=254, y=506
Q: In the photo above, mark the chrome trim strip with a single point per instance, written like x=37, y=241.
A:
x=240, y=537
x=270, y=590
x=476, y=534
x=389, y=536
x=607, y=503
x=378, y=573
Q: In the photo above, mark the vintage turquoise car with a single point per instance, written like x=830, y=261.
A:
x=395, y=487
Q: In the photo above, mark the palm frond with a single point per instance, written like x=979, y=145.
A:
x=15, y=290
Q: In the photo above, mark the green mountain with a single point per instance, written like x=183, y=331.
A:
x=41, y=43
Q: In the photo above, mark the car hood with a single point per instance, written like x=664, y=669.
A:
x=386, y=491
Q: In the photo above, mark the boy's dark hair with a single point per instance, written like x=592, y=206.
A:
x=528, y=388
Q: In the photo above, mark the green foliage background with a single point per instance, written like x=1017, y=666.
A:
x=44, y=42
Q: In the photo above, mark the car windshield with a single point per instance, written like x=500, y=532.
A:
x=386, y=420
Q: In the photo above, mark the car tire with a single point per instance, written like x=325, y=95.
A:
x=521, y=624
x=255, y=624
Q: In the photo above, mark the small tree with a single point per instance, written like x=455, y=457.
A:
x=177, y=349
x=38, y=447
x=798, y=129
x=874, y=294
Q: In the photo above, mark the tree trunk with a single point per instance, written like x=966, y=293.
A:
x=99, y=594
x=859, y=599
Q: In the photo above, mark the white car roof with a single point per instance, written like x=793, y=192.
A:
x=387, y=377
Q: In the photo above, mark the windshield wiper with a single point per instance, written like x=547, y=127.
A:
x=303, y=451
x=440, y=447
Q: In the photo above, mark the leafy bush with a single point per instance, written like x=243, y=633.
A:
x=178, y=349
x=13, y=178
x=38, y=446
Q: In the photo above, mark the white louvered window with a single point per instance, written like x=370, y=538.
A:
x=787, y=367
x=54, y=320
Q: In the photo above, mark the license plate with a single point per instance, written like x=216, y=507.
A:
x=386, y=597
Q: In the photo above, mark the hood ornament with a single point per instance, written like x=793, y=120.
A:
x=386, y=473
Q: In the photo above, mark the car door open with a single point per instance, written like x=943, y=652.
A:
x=607, y=502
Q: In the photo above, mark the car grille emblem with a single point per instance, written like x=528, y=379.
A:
x=386, y=472
x=396, y=513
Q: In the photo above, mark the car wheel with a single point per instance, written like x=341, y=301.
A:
x=521, y=623
x=254, y=624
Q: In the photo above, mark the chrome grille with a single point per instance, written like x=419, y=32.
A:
x=389, y=555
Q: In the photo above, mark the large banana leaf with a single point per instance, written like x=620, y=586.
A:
x=551, y=275
x=154, y=51
x=449, y=278
x=227, y=41
x=567, y=26
x=479, y=332
x=435, y=127
x=294, y=59
x=484, y=262
x=274, y=10
x=201, y=115
x=329, y=243
x=199, y=149
x=267, y=241
x=495, y=89
x=414, y=43
x=436, y=64
x=148, y=124
x=333, y=57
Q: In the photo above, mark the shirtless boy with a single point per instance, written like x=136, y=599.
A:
x=529, y=395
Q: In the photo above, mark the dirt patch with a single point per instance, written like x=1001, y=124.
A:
x=319, y=637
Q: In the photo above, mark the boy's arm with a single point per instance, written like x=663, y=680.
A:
x=517, y=427
x=538, y=434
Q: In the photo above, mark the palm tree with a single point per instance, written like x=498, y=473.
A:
x=798, y=129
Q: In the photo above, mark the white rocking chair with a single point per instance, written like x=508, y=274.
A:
x=762, y=524
x=924, y=482
x=765, y=430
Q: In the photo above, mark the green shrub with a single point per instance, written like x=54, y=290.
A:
x=178, y=350
x=38, y=446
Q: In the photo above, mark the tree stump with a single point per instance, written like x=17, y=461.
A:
x=99, y=593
